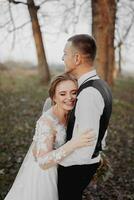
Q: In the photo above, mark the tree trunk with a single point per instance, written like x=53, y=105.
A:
x=42, y=62
x=103, y=27
x=120, y=58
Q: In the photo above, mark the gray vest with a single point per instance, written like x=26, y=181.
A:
x=105, y=91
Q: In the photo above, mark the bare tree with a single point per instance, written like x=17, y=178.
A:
x=42, y=62
x=103, y=27
x=73, y=13
x=125, y=11
x=37, y=35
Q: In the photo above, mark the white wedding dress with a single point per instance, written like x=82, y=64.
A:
x=33, y=182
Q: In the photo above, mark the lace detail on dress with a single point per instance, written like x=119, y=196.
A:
x=49, y=134
x=53, y=158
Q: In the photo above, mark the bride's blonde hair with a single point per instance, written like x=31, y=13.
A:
x=58, y=79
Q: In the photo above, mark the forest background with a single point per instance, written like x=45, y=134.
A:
x=32, y=37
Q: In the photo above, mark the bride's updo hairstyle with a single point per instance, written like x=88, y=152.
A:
x=58, y=79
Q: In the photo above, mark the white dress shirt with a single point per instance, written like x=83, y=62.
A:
x=89, y=108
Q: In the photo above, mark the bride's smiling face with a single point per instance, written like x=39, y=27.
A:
x=65, y=95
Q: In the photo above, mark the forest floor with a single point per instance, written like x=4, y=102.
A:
x=21, y=103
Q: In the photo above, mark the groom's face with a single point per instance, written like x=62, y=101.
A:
x=69, y=58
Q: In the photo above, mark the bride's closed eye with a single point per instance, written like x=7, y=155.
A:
x=62, y=94
x=74, y=93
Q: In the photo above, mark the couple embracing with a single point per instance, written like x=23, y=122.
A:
x=69, y=136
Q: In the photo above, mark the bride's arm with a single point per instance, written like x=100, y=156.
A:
x=43, y=150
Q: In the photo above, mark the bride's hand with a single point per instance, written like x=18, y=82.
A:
x=85, y=139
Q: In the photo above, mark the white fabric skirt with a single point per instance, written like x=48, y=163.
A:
x=33, y=183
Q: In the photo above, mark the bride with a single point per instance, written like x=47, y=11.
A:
x=37, y=177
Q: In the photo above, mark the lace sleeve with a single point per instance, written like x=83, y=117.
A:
x=43, y=150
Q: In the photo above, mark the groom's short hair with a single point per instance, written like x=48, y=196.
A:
x=85, y=44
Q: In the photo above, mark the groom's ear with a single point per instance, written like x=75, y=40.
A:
x=77, y=59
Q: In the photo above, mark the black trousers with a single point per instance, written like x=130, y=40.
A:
x=73, y=180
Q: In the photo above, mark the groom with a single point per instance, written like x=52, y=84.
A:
x=92, y=111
